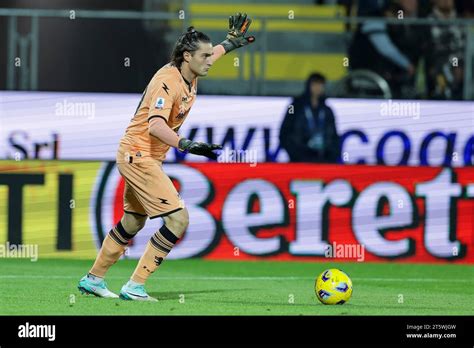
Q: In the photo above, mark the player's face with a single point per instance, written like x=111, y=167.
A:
x=201, y=60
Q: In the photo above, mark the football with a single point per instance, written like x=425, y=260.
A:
x=333, y=286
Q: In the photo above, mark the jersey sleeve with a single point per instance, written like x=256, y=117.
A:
x=162, y=98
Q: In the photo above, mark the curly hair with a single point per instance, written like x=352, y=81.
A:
x=189, y=42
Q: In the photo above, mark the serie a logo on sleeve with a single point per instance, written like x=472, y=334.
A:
x=160, y=103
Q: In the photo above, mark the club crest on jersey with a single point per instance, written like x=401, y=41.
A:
x=160, y=103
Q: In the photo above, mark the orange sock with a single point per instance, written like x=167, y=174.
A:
x=157, y=249
x=113, y=247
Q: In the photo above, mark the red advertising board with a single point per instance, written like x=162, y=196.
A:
x=307, y=212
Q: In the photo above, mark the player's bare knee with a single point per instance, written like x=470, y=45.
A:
x=177, y=222
x=133, y=223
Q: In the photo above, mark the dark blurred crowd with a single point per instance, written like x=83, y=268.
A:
x=402, y=53
x=399, y=53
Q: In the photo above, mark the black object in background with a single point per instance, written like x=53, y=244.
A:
x=90, y=55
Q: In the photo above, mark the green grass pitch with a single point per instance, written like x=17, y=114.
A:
x=201, y=287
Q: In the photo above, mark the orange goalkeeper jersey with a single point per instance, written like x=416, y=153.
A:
x=167, y=96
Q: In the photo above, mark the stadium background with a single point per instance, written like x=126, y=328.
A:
x=64, y=109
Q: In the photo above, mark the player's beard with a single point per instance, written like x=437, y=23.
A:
x=199, y=72
x=204, y=72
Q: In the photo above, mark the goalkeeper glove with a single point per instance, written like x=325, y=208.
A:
x=198, y=148
x=238, y=26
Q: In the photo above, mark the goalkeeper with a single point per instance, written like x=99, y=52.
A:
x=149, y=192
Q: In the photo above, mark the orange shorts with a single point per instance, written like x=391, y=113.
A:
x=148, y=190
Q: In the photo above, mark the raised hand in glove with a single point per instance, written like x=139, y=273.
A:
x=199, y=148
x=238, y=26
